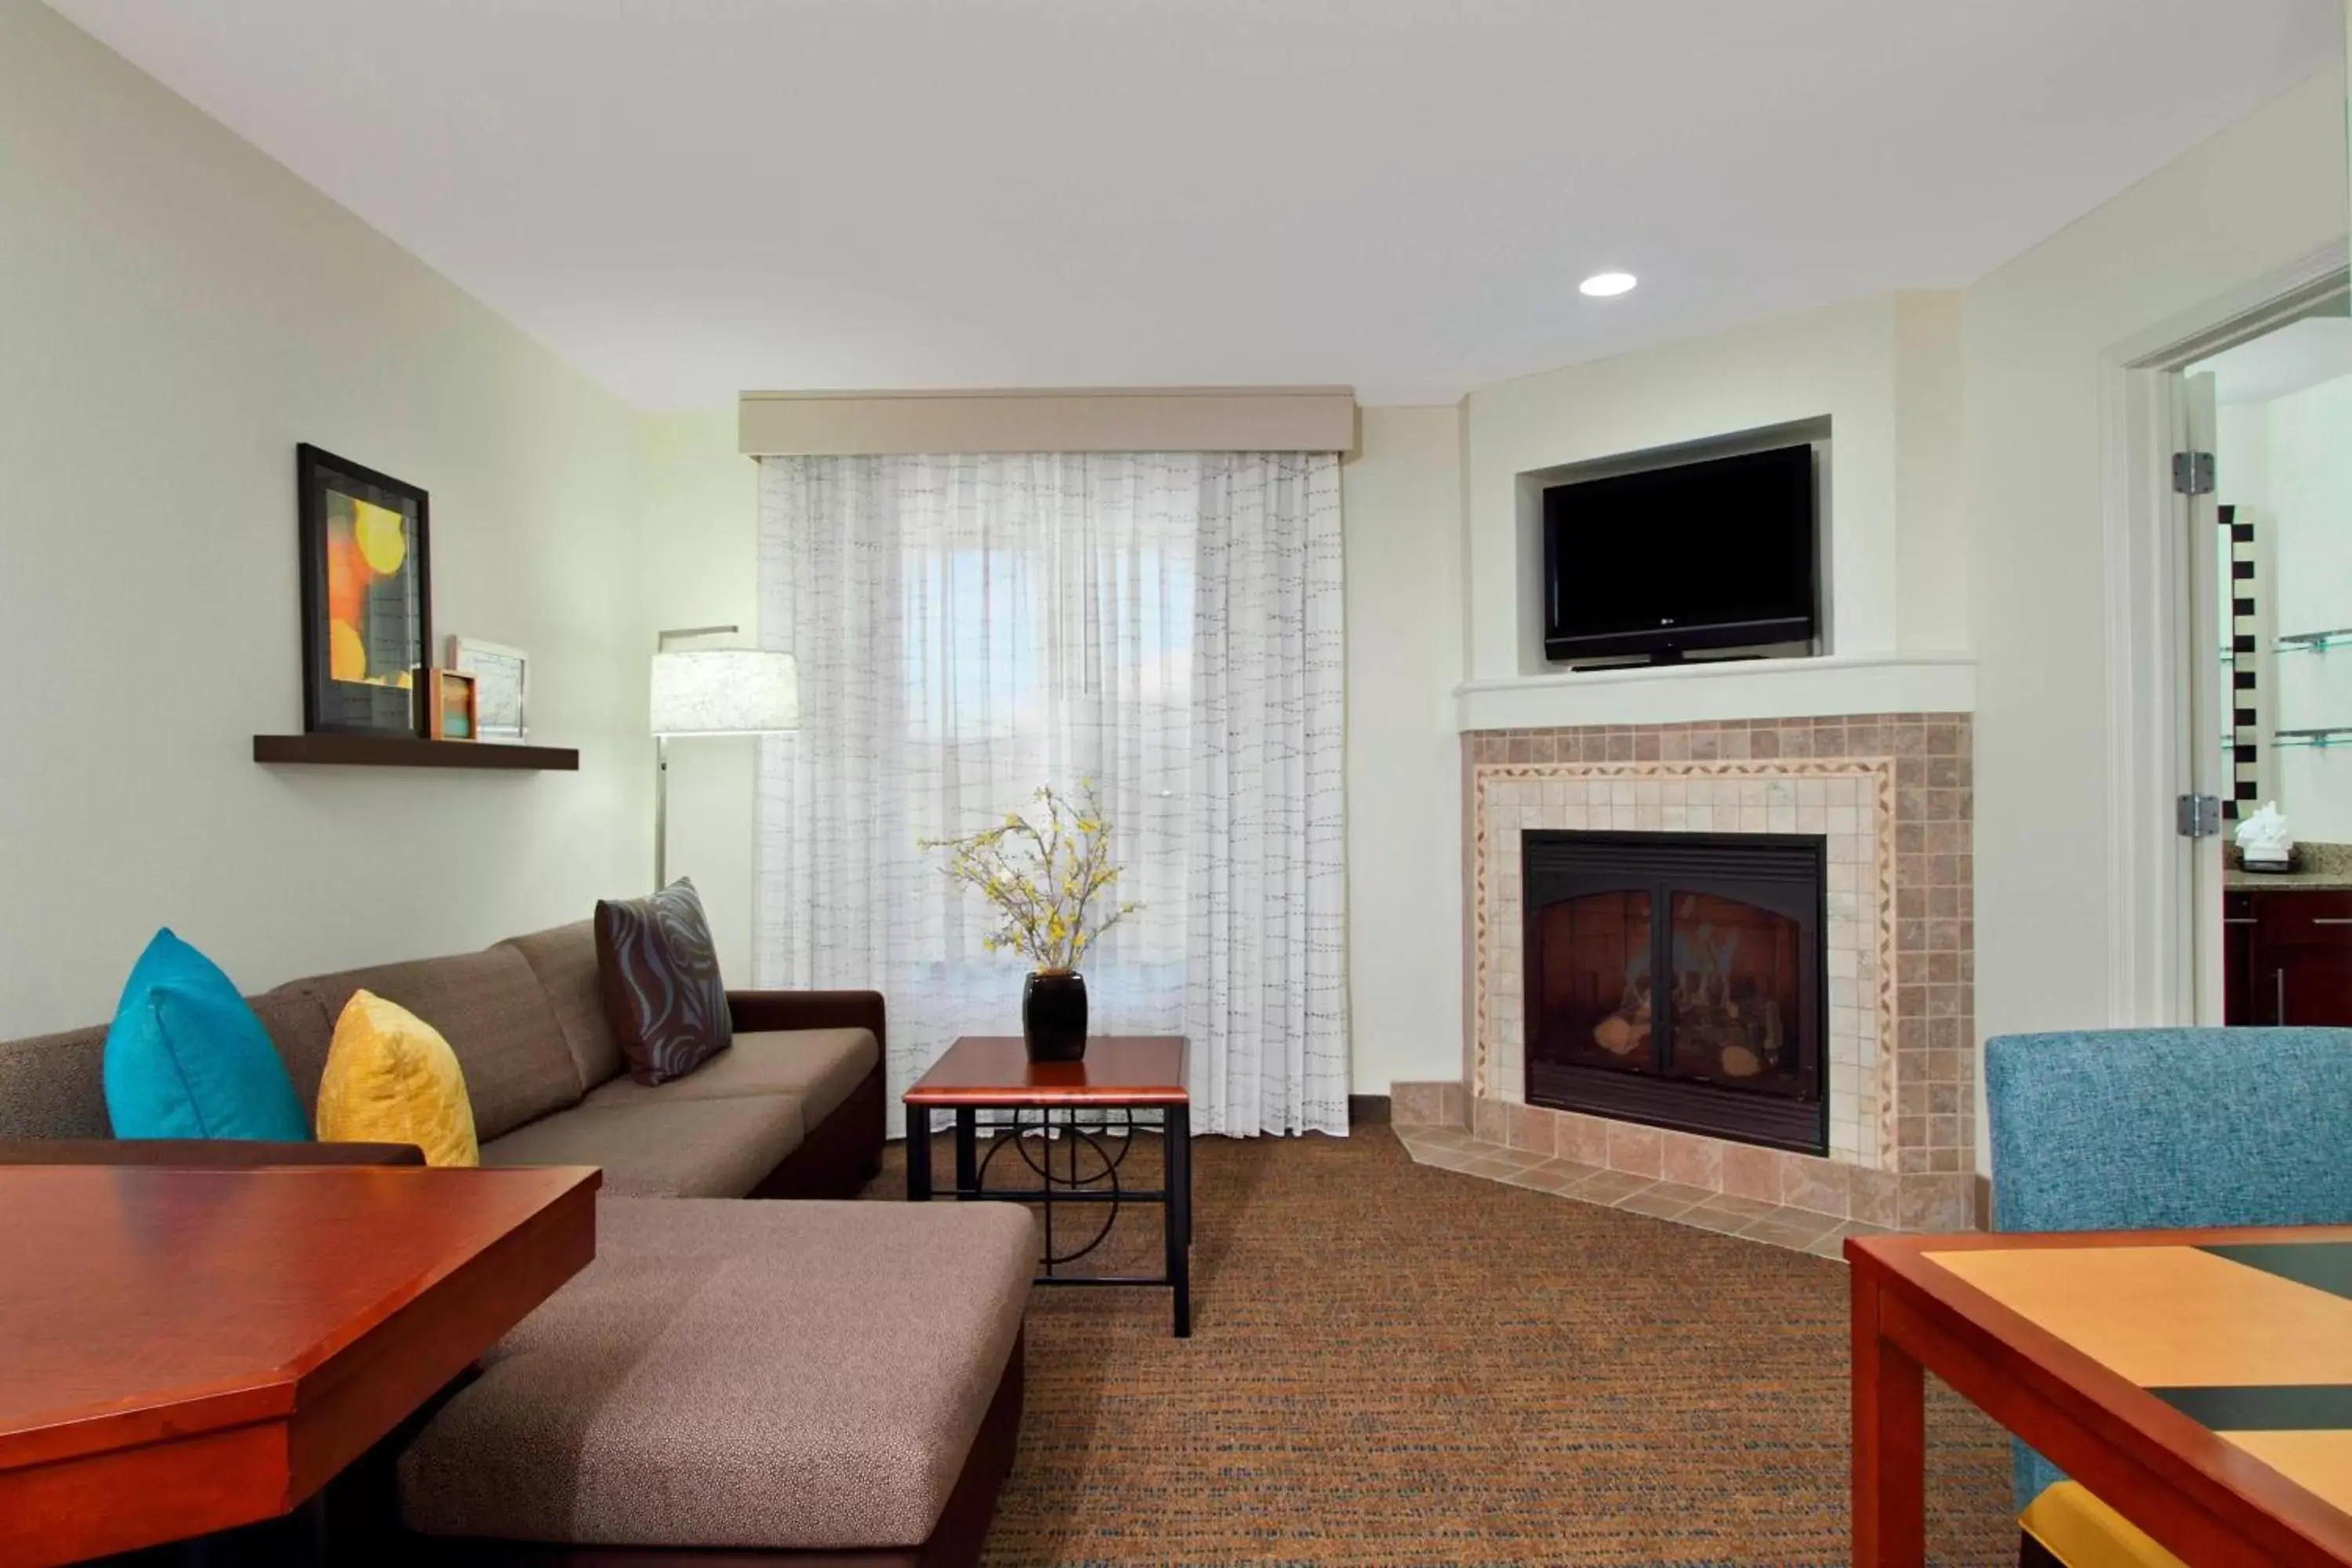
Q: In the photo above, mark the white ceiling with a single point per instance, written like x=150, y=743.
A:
x=2296, y=357
x=688, y=198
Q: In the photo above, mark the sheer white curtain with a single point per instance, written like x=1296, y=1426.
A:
x=971, y=627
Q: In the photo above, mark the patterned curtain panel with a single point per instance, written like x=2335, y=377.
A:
x=968, y=628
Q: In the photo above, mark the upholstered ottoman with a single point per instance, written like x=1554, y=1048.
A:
x=838, y=1382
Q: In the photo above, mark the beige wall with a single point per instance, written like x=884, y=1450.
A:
x=698, y=567
x=1402, y=503
x=176, y=312
x=1931, y=539
x=1839, y=364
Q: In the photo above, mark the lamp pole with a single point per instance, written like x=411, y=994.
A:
x=661, y=758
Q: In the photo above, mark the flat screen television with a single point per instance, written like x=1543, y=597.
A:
x=1713, y=554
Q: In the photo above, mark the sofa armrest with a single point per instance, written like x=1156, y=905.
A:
x=201, y=1153
x=758, y=1011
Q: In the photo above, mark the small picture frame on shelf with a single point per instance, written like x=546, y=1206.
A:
x=501, y=688
x=450, y=711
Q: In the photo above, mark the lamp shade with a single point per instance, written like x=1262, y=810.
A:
x=725, y=692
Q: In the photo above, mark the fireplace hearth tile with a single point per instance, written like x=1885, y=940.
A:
x=1531, y=1130
x=1662, y=1201
x=1417, y=1104
x=1796, y=1228
x=1558, y=1177
x=1753, y=1173
x=1437, y=1154
x=1936, y=1202
x=1610, y=1187
x=1817, y=1186
x=1636, y=1149
x=1692, y=1161
x=1581, y=1138
x=1876, y=1198
x=1704, y=1216
x=1723, y=1213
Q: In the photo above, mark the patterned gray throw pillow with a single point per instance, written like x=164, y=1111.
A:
x=660, y=974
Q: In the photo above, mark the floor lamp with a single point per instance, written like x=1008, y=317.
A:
x=712, y=692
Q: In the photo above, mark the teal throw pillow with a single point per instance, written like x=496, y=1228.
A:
x=185, y=1057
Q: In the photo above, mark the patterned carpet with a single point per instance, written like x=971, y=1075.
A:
x=1394, y=1364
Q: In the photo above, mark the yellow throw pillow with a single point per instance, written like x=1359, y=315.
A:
x=392, y=1079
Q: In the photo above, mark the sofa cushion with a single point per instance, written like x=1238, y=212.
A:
x=660, y=974
x=491, y=1008
x=303, y=1032
x=748, y=1375
x=663, y=1149
x=564, y=960
x=186, y=1057
x=53, y=1086
x=392, y=1079
x=819, y=1068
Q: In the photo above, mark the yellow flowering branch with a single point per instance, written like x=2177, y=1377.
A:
x=1041, y=878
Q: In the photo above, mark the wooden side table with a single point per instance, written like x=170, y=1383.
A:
x=1122, y=1073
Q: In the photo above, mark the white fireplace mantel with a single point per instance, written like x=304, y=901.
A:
x=1702, y=693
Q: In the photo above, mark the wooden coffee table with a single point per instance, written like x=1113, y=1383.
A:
x=190, y=1350
x=1121, y=1074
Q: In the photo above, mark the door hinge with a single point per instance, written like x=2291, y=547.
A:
x=2192, y=473
x=2198, y=816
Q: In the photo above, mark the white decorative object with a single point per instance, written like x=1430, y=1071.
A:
x=501, y=688
x=713, y=691
x=2264, y=842
x=1165, y=624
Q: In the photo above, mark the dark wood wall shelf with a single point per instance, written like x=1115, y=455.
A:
x=411, y=752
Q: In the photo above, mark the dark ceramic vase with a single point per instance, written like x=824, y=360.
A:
x=1053, y=1017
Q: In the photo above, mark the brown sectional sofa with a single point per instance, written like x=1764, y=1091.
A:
x=825, y=1383
x=898, y=1382
x=793, y=1110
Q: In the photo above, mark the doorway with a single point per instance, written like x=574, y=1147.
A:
x=2264, y=497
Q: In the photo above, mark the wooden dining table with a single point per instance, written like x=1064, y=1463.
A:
x=186, y=1350
x=2198, y=1381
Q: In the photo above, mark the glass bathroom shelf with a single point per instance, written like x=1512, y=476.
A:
x=2323, y=739
x=2313, y=642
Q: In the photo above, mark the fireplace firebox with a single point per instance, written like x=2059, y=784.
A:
x=1677, y=978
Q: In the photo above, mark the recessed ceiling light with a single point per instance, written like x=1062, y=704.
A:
x=1607, y=285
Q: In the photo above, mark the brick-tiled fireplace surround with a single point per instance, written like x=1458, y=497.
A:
x=1890, y=794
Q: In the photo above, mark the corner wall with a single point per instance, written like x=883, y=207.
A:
x=698, y=554
x=1400, y=504
x=176, y=312
x=2039, y=332
x=1838, y=363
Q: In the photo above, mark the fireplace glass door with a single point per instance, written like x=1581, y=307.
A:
x=1677, y=978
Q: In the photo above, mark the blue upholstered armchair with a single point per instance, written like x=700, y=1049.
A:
x=2144, y=1129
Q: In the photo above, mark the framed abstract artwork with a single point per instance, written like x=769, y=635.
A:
x=367, y=616
x=501, y=686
